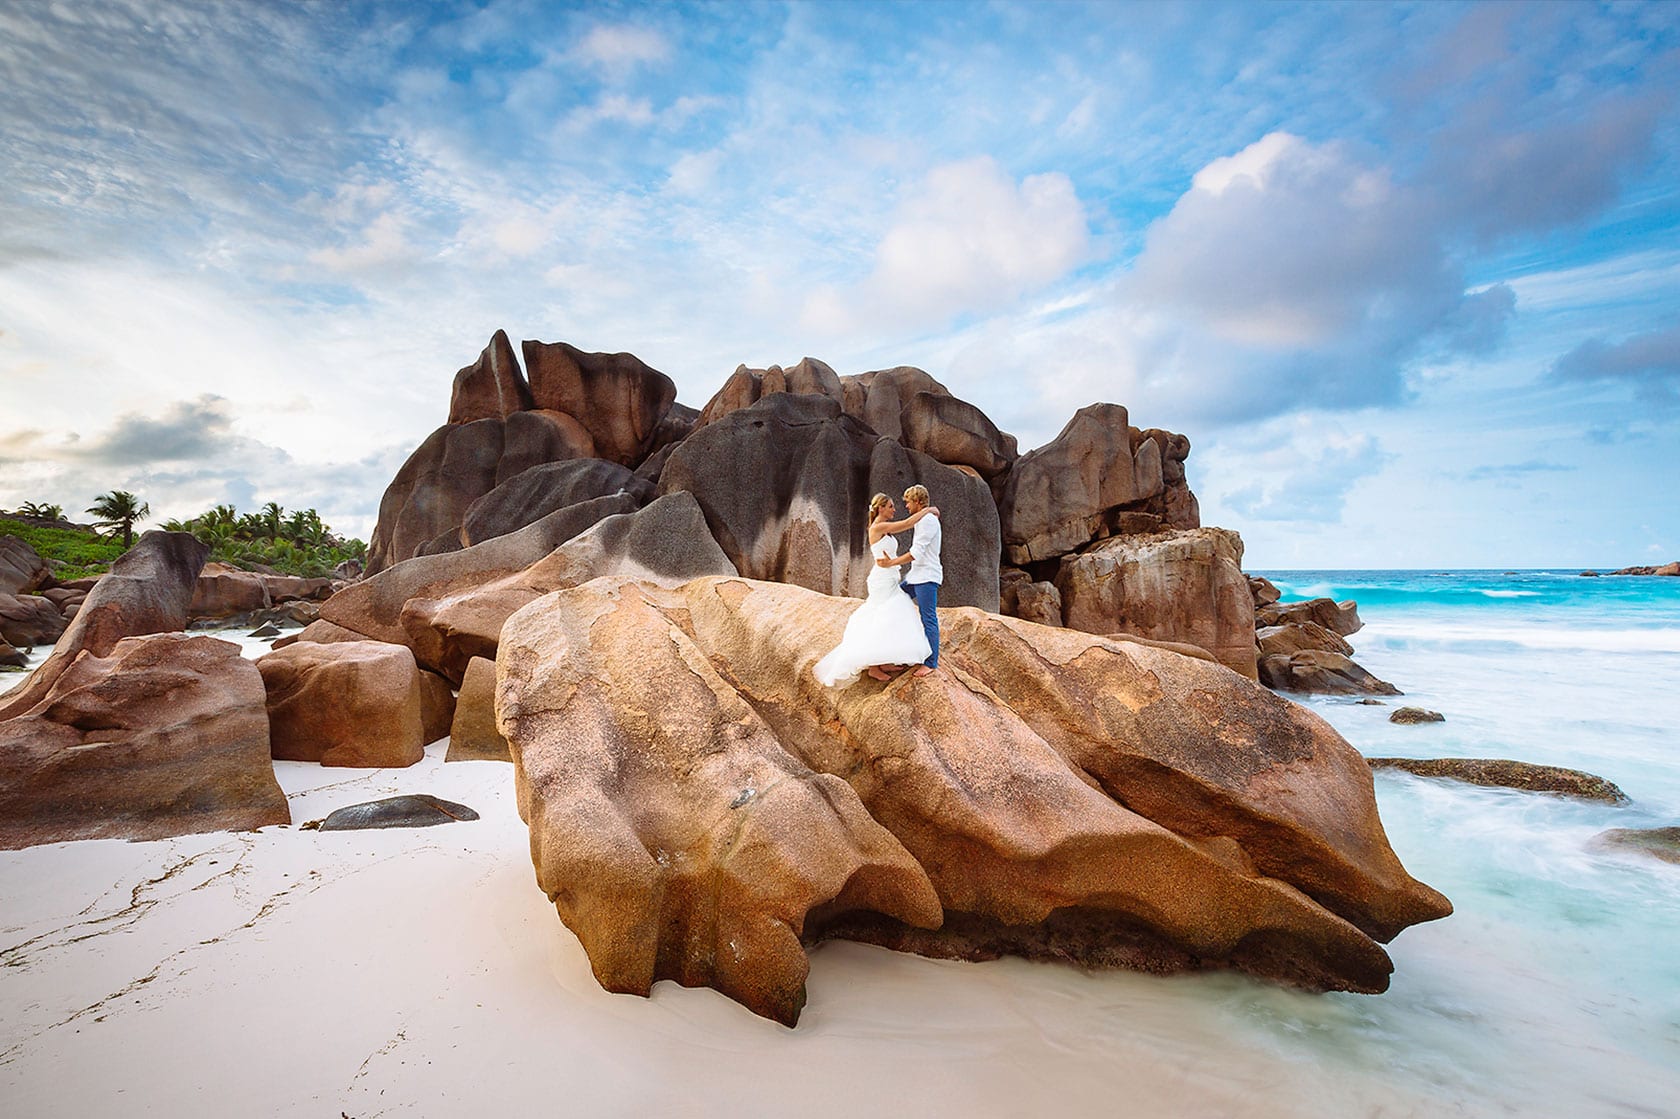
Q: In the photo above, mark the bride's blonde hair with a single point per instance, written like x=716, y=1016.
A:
x=875, y=504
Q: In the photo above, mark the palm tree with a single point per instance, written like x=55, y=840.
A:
x=119, y=509
x=272, y=517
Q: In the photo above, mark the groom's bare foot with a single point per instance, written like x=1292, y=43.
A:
x=922, y=670
x=875, y=673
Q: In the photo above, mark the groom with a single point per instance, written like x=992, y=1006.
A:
x=922, y=581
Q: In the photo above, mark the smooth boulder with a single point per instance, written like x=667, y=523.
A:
x=491, y=387
x=151, y=736
x=30, y=619
x=700, y=807
x=1340, y=618
x=473, y=735
x=547, y=488
x=1184, y=586
x=21, y=567
x=618, y=398
x=348, y=703
x=1320, y=672
x=414, y=810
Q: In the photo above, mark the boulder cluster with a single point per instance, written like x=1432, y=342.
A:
x=1303, y=646
x=624, y=598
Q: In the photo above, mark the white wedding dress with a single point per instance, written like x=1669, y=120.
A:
x=886, y=629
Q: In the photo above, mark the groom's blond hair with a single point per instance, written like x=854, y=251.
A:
x=918, y=494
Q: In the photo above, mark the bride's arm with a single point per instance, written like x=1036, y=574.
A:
x=910, y=521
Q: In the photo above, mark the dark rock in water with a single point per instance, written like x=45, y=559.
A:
x=1410, y=716
x=1589, y=574
x=10, y=657
x=1368, y=702
x=1320, y=672
x=267, y=629
x=1662, y=843
x=1503, y=773
x=417, y=810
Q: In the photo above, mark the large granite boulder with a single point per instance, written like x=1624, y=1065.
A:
x=700, y=809
x=350, y=703
x=955, y=433
x=145, y=738
x=1320, y=672
x=21, y=567
x=451, y=609
x=617, y=398
x=1178, y=586
x=785, y=486
x=541, y=490
x=1296, y=636
x=30, y=619
x=223, y=590
x=746, y=387
x=538, y=436
x=473, y=735
x=879, y=398
x=1337, y=617
x=491, y=387
x=146, y=591
x=1057, y=496
x=1175, y=504
x=430, y=495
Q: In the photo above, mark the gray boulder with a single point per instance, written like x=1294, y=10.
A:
x=547, y=488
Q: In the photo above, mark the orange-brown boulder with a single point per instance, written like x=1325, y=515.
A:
x=224, y=590
x=1297, y=636
x=146, y=591
x=351, y=703
x=618, y=398
x=538, y=436
x=700, y=807
x=956, y=433
x=1337, y=617
x=453, y=467
x=29, y=619
x=1057, y=496
x=1320, y=672
x=473, y=736
x=1179, y=586
x=154, y=736
x=491, y=387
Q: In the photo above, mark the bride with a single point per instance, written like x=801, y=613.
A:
x=886, y=629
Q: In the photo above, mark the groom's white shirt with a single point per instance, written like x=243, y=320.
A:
x=924, y=550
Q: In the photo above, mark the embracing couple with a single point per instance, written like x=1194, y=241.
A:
x=898, y=623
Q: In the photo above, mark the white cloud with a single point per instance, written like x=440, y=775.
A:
x=617, y=47
x=965, y=239
x=1303, y=470
x=383, y=247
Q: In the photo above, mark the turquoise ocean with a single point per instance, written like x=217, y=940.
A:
x=1554, y=989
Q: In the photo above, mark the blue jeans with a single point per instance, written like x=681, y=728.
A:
x=926, y=596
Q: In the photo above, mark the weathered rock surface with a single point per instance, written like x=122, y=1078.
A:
x=528, y=497
x=223, y=590
x=21, y=567
x=618, y=398
x=955, y=433
x=699, y=806
x=1057, y=494
x=1264, y=591
x=415, y=810
x=1320, y=672
x=1337, y=617
x=474, y=736
x=746, y=387
x=785, y=486
x=29, y=619
x=1501, y=772
x=491, y=387
x=11, y=657
x=1183, y=586
x=1413, y=716
x=146, y=591
x=458, y=615
x=1661, y=843
x=535, y=437
x=453, y=467
x=141, y=738
x=879, y=398
x=437, y=707
x=350, y=703
x=1296, y=636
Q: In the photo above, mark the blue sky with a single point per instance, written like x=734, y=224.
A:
x=1407, y=275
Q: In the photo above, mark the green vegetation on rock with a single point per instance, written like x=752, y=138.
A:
x=295, y=543
x=78, y=552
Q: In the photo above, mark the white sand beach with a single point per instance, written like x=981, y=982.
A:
x=420, y=972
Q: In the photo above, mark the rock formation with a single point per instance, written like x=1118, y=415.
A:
x=1320, y=672
x=28, y=619
x=700, y=808
x=450, y=609
x=533, y=494
x=350, y=703
x=138, y=738
x=21, y=568
x=785, y=486
x=617, y=398
x=1504, y=773
x=491, y=388
x=1415, y=716
x=1182, y=586
x=473, y=735
x=1660, y=843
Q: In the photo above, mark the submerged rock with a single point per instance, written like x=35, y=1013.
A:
x=415, y=810
x=1503, y=773
x=1409, y=716
x=701, y=809
x=1661, y=843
